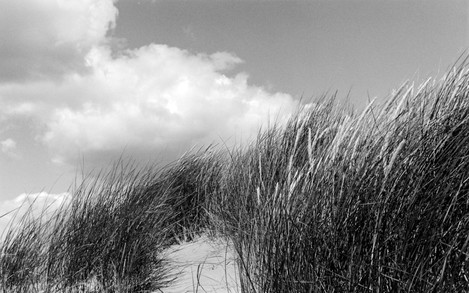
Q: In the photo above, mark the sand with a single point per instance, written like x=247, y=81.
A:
x=203, y=265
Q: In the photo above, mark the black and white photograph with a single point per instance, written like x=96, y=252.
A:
x=234, y=146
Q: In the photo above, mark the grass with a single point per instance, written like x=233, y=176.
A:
x=377, y=202
x=332, y=201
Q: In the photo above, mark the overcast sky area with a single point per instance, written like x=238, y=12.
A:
x=84, y=81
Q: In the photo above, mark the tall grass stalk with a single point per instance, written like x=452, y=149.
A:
x=109, y=236
x=332, y=201
x=377, y=202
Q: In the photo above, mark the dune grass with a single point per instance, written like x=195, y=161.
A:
x=332, y=201
x=376, y=202
x=108, y=237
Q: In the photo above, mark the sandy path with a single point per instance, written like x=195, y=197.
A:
x=203, y=265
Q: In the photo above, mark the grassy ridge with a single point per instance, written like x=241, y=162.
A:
x=103, y=238
x=331, y=202
x=109, y=235
x=376, y=202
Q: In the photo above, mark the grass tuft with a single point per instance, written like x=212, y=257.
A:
x=332, y=201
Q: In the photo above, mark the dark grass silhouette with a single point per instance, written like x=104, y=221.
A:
x=331, y=202
x=108, y=237
x=372, y=203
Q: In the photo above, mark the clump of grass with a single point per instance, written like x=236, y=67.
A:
x=21, y=257
x=337, y=202
x=331, y=202
x=192, y=181
x=108, y=237
x=111, y=233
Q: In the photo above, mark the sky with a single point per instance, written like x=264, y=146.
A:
x=83, y=82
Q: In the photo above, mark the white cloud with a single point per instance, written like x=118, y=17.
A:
x=8, y=147
x=44, y=38
x=158, y=97
x=152, y=100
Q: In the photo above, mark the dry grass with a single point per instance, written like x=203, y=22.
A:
x=331, y=202
x=373, y=202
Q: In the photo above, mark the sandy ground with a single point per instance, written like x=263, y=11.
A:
x=203, y=265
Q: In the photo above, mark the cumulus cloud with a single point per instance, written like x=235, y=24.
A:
x=8, y=147
x=154, y=99
x=44, y=38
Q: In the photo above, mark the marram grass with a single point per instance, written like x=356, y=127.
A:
x=376, y=202
x=331, y=202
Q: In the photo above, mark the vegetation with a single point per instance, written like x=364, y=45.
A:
x=330, y=202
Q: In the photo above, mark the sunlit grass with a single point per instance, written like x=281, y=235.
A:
x=373, y=202
x=331, y=202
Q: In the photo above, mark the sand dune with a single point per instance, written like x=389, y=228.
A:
x=203, y=265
